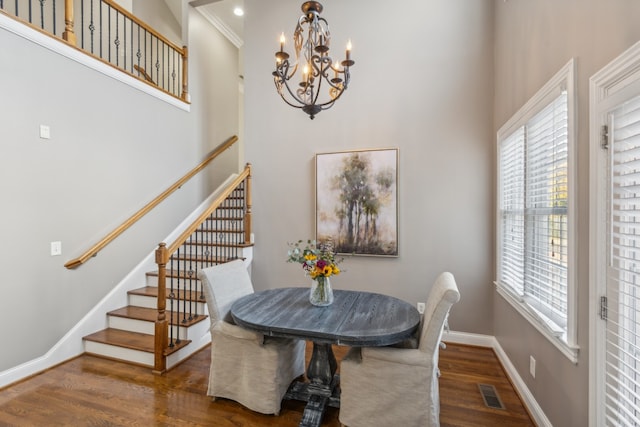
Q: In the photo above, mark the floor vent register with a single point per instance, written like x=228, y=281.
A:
x=490, y=396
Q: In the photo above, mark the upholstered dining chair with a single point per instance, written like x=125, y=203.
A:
x=247, y=367
x=383, y=386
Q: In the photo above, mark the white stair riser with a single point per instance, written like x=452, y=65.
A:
x=151, y=302
x=142, y=326
x=190, y=284
x=120, y=353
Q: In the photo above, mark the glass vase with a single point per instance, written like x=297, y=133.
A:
x=321, y=293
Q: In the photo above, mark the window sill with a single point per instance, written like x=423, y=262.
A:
x=570, y=351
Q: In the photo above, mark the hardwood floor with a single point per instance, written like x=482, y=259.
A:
x=91, y=391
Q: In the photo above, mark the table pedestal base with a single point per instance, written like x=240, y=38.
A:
x=323, y=388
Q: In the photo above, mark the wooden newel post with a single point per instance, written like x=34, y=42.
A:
x=247, y=216
x=161, y=326
x=185, y=71
x=68, y=35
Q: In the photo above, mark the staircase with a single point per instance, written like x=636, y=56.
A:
x=129, y=335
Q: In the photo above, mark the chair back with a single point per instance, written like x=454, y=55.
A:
x=442, y=296
x=223, y=284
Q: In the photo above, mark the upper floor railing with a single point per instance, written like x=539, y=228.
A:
x=107, y=31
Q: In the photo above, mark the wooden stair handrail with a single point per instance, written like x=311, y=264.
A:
x=142, y=212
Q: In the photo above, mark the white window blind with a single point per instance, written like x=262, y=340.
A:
x=533, y=188
x=623, y=320
x=512, y=209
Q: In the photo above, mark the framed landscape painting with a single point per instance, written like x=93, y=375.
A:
x=357, y=201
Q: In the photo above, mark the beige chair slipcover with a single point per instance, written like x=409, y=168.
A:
x=391, y=386
x=245, y=366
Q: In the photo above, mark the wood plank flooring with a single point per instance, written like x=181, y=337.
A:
x=91, y=391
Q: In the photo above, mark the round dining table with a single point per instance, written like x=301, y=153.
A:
x=355, y=318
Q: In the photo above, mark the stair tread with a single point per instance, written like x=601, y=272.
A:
x=126, y=339
x=151, y=314
x=130, y=340
x=152, y=291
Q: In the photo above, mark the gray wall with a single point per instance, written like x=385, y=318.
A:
x=112, y=149
x=534, y=39
x=422, y=82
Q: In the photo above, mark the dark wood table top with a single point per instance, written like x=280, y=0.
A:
x=355, y=318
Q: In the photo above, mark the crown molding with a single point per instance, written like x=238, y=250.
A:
x=222, y=27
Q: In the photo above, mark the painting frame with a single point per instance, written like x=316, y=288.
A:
x=356, y=201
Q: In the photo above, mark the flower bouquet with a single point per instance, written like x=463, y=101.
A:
x=318, y=262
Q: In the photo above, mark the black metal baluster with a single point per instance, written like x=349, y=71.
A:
x=124, y=41
x=179, y=88
x=31, y=13
x=240, y=223
x=146, y=65
x=101, y=56
x=138, y=54
x=240, y=237
x=218, y=228
x=17, y=12
x=116, y=41
x=172, y=298
x=192, y=278
x=54, y=17
x=173, y=74
x=82, y=24
x=150, y=65
x=227, y=236
x=158, y=62
x=218, y=232
x=131, y=50
x=184, y=300
x=92, y=27
x=109, y=31
x=180, y=292
x=232, y=228
x=205, y=253
x=211, y=239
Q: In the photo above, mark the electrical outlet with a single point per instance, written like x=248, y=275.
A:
x=56, y=248
x=420, y=306
x=532, y=366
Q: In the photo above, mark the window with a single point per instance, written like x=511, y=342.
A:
x=614, y=270
x=535, y=240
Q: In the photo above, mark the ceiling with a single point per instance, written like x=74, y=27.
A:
x=220, y=14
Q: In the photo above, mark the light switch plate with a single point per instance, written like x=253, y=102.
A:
x=56, y=248
x=45, y=132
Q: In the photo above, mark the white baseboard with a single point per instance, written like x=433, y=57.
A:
x=71, y=344
x=490, y=341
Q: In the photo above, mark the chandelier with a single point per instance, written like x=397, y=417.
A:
x=317, y=68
